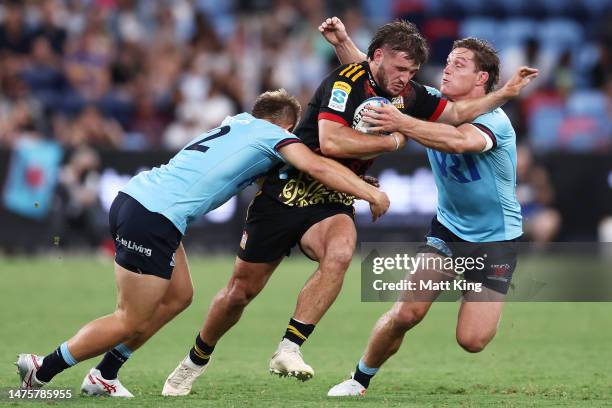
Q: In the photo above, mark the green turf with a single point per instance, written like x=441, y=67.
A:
x=545, y=354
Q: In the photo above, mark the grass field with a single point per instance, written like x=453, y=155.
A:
x=545, y=354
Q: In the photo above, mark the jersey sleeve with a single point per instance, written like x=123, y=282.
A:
x=496, y=126
x=340, y=96
x=429, y=103
x=276, y=139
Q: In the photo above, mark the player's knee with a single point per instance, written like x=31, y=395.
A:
x=239, y=294
x=405, y=318
x=338, y=259
x=182, y=302
x=473, y=343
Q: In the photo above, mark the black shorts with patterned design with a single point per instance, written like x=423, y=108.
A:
x=273, y=228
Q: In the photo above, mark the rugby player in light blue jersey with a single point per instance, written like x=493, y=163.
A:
x=148, y=220
x=478, y=215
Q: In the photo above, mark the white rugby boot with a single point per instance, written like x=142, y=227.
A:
x=348, y=388
x=95, y=384
x=180, y=381
x=27, y=367
x=287, y=361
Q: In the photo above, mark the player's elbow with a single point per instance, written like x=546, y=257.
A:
x=457, y=145
x=329, y=147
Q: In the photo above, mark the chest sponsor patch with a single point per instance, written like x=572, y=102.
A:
x=398, y=102
x=339, y=96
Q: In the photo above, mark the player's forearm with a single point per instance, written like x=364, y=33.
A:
x=338, y=177
x=347, y=143
x=436, y=136
x=467, y=110
x=348, y=52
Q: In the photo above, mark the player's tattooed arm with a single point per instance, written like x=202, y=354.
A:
x=336, y=176
x=467, y=110
x=334, y=31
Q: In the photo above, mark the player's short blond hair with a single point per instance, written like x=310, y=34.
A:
x=279, y=107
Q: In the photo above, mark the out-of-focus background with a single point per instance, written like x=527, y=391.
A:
x=93, y=91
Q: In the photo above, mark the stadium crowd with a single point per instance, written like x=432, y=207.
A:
x=141, y=75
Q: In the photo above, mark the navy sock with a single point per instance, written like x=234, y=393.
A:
x=363, y=374
x=54, y=363
x=200, y=352
x=113, y=361
x=298, y=332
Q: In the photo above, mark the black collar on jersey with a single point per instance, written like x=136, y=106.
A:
x=377, y=89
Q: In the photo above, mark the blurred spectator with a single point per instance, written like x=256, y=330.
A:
x=77, y=204
x=541, y=222
x=52, y=16
x=530, y=54
x=184, y=129
x=14, y=37
x=90, y=128
x=562, y=74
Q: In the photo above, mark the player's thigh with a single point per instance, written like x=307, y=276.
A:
x=478, y=320
x=180, y=290
x=334, y=236
x=138, y=295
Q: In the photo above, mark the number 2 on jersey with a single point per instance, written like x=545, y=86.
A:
x=211, y=134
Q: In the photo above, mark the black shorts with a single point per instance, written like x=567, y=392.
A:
x=499, y=258
x=145, y=241
x=273, y=228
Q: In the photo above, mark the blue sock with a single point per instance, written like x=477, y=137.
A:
x=56, y=362
x=113, y=361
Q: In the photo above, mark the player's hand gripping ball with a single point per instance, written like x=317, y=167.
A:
x=358, y=123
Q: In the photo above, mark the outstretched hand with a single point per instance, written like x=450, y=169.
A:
x=522, y=77
x=334, y=31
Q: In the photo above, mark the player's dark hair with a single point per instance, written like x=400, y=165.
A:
x=400, y=36
x=485, y=58
x=278, y=107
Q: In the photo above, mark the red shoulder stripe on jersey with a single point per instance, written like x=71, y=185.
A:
x=332, y=117
x=488, y=132
x=441, y=105
x=286, y=142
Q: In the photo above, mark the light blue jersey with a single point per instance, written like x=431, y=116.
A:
x=211, y=169
x=476, y=191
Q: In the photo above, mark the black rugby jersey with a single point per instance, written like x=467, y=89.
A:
x=336, y=99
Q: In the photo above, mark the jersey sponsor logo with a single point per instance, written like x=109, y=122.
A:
x=342, y=85
x=455, y=170
x=500, y=272
x=303, y=191
x=133, y=246
x=398, y=102
x=338, y=99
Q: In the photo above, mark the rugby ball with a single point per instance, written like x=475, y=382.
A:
x=358, y=123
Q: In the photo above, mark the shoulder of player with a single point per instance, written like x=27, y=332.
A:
x=497, y=122
x=350, y=73
x=496, y=117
